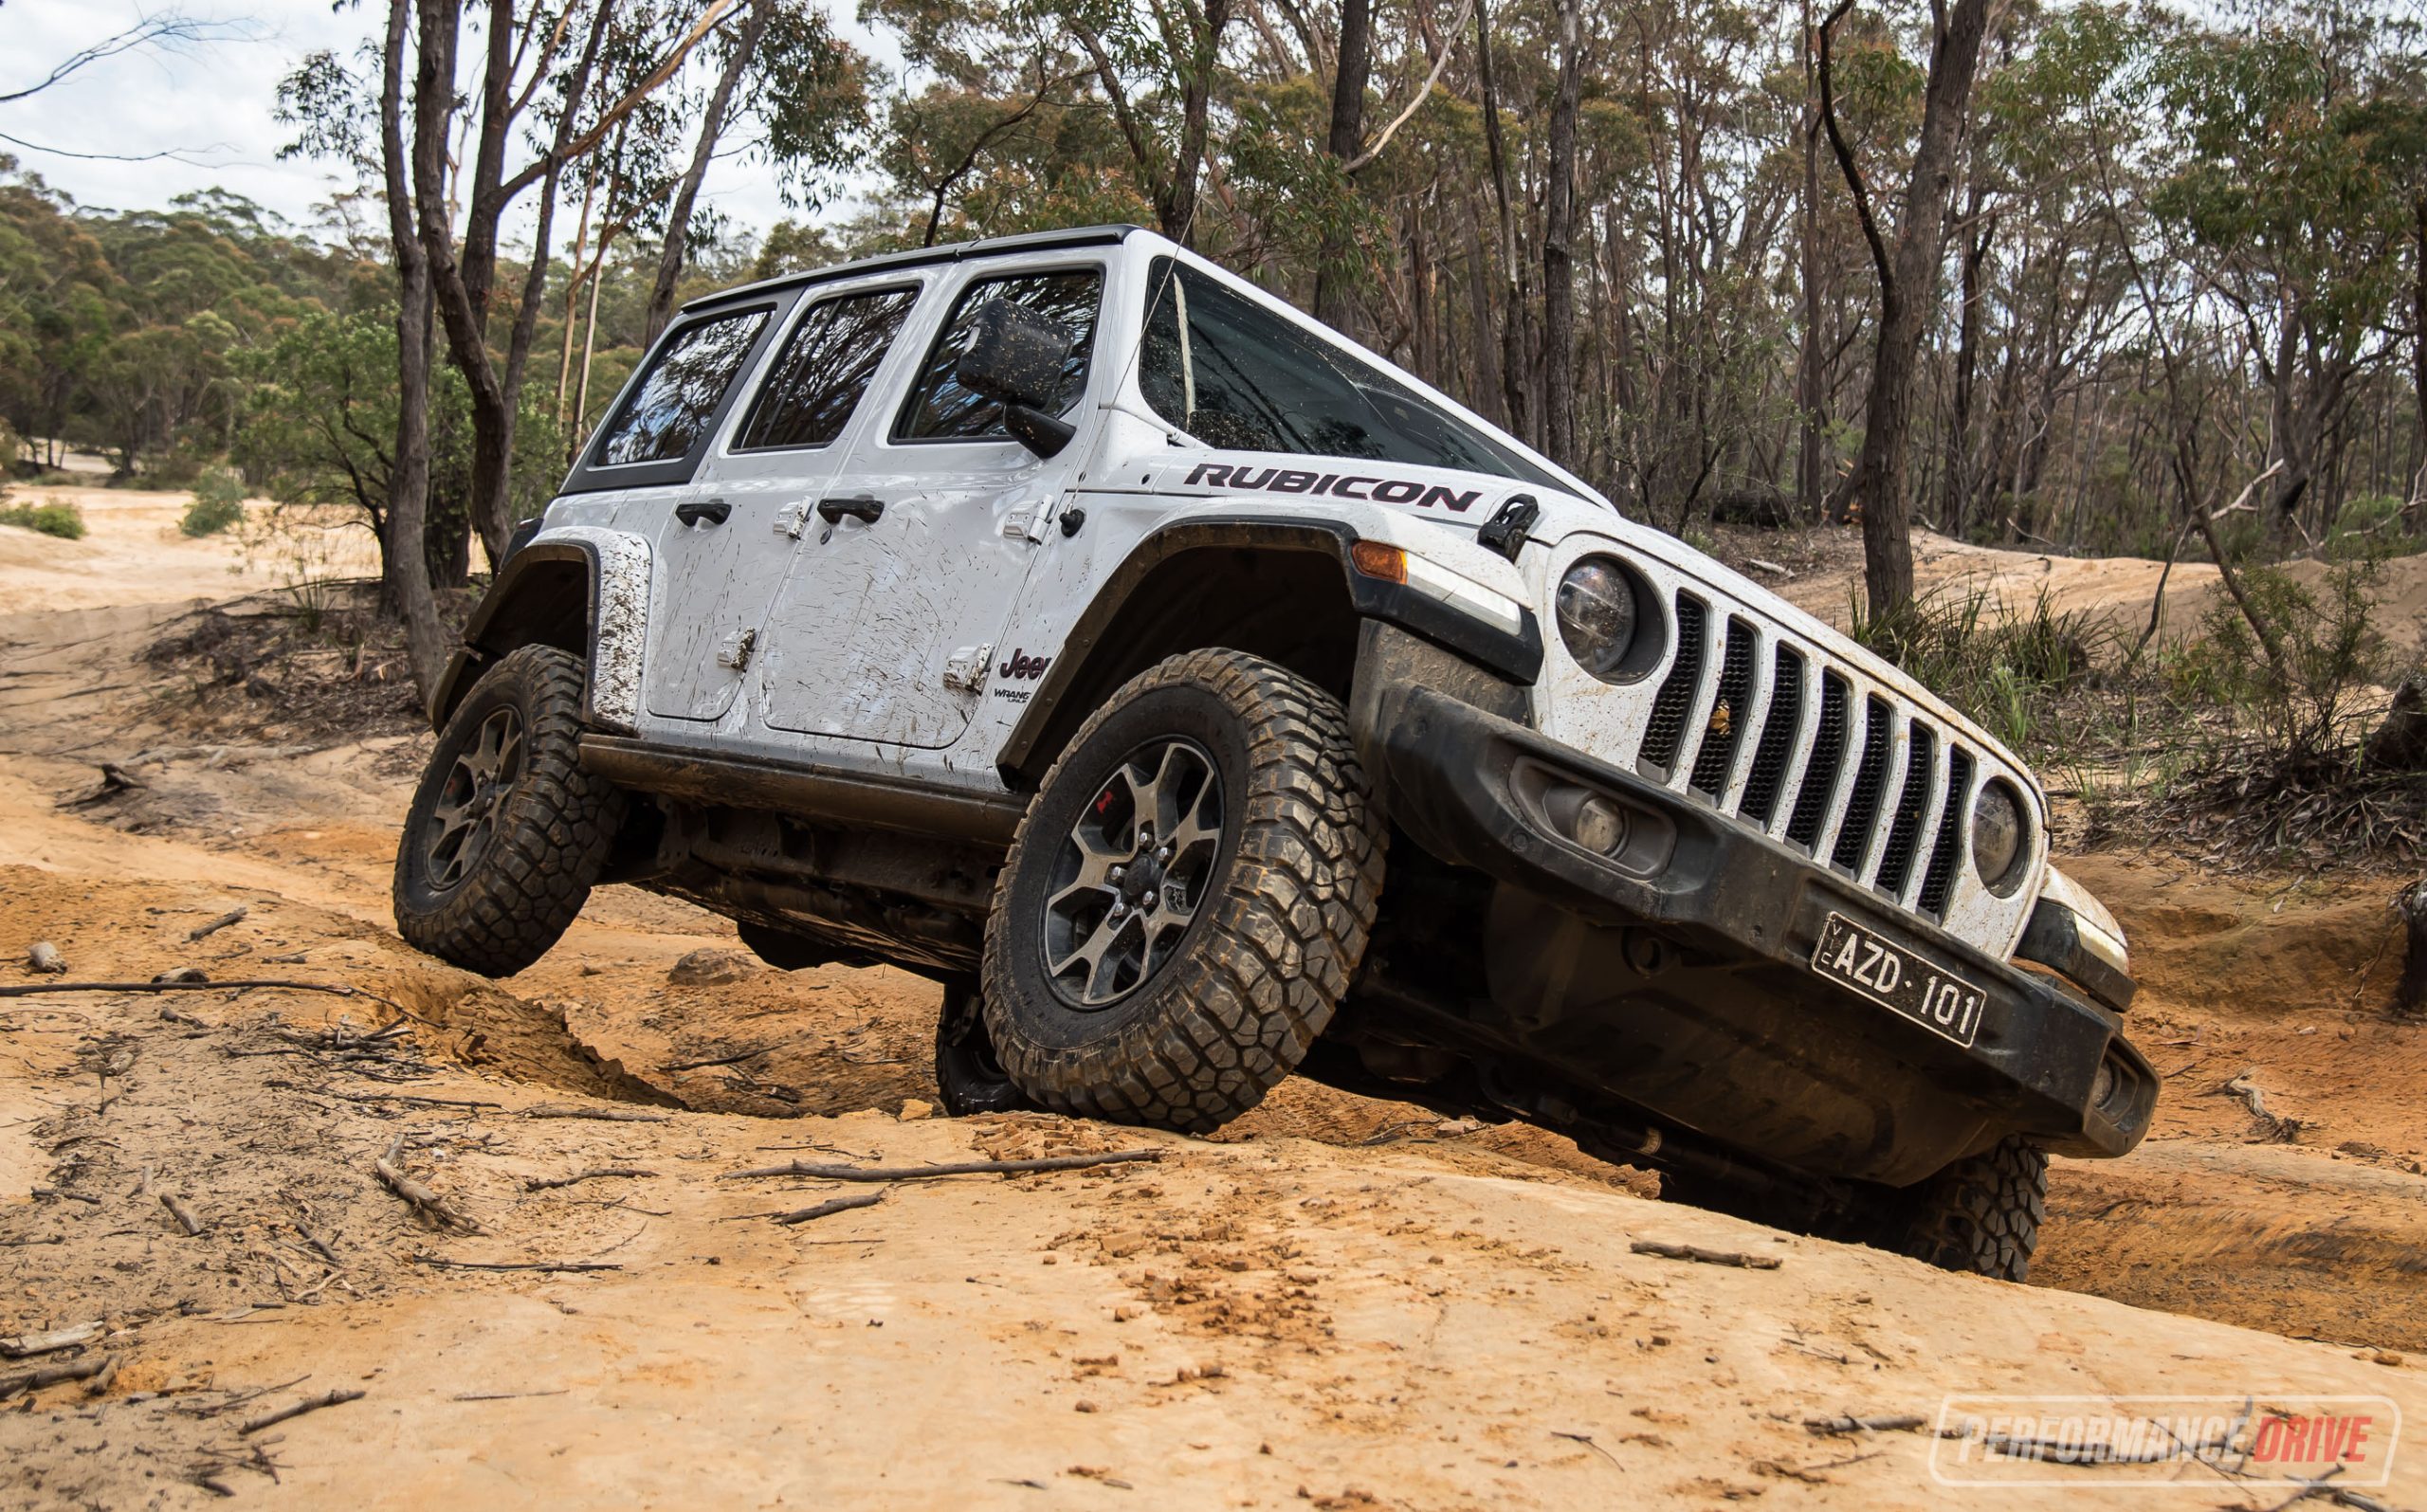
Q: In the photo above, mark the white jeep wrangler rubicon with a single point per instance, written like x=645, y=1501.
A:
x=1067, y=619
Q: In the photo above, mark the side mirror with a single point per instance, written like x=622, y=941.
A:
x=1014, y=357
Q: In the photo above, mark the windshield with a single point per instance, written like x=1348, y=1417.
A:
x=1238, y=376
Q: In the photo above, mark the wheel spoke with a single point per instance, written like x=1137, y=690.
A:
x=1091, y=954
x=1202, y=824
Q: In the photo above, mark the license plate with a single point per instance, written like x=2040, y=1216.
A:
x=1935, y=998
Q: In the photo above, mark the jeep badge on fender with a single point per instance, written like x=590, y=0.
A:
x=1649, y=856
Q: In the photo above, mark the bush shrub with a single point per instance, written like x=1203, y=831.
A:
x=218, y=502
x=66, y=521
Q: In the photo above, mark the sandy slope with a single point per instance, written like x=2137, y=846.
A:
x=1447, y=1318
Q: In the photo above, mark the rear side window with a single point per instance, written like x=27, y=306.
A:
x=825, y=370
x=1239, y=377
x=941, y=410
x=679, y=396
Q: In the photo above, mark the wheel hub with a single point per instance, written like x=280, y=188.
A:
x=1132, y=873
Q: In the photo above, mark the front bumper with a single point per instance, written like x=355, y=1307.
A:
x=1676, y=976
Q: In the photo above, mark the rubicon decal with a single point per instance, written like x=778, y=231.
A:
x=1337, y=484
x=1024, y=666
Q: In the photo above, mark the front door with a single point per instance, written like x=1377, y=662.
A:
x=736, y=527
x=889, y=624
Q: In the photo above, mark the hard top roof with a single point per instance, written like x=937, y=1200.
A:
x=924, y=257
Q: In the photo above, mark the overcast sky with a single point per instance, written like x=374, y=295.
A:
x=213, y=104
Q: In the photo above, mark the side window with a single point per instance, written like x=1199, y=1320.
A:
x=1237, y=376
x=941, y=410
x=824, y=370
x=674, y=403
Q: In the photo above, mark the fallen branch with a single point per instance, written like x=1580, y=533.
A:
x=558, y=1110
x=184, y=1215
x=233, y=916
x=1708, y=1257
x=2277, y=1129
x=1844, y=1427
x=960, y=1168
x=58, y=1338
x=445, y=1263
x=309, y=1404
x=420, y=1197
x=334, y=989
x=826, y=1210
x=551, y=1183
x=726, y=1060
x=42, y=1376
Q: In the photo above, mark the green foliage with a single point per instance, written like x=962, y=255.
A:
x=218, y=503
x=66, y=521
x=2305, y=696
x=2006, y=668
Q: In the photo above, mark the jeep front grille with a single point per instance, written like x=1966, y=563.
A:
x=1881, y=789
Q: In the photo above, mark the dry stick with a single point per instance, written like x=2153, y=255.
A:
x=336, y=990
x=1847, y=1426
x=558, y=1110
x=1709, y=1257
x=445, y=1263
x=184, y=1215
x=725, y=1060
x=42, y=1376
x=99, y=1383
x=309, y=1404
x=234, y=915
x=826, y=1210
x=421, y=1197
x=961, y=1167
x=551, y=1183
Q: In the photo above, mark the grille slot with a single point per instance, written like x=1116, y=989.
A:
x=1938, y=880
x=1717, y=757
x=1667, y=728
x=1820, y=773
x=1871, y=777
x=1912, y=807
x=1776, y=748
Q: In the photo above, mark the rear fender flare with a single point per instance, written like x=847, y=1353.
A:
x=612, y=631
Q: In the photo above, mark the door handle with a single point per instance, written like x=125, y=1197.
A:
x=863, y=507
x=692, y=511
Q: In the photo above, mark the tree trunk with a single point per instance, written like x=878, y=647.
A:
x=2410, y=994
x=1333, y=278
x=1809, y=399
x=712, y=124
x=404, y=567
x=1908, y=291
x=1954, y=481
x=2418, y=350
x=1513, y=343
x=1559, y=267
x=1177, y=209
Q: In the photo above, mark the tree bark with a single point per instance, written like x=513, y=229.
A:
x=1908, y=291
x=1333, y=280
x=712, y=124
x=1178, y=211
x=1559, y=266
x=404, y=565
x=1809, y=398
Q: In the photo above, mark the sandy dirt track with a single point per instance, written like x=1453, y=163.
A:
x=1338, y=1302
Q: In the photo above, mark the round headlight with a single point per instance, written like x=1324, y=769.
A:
x=1596, y=615
x=1997, y=836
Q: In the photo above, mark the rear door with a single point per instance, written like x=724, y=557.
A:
x=741, y=520
x=652, y=448
x=890, y=622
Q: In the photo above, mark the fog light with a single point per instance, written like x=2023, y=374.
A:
x=1599, y=826
x=2103, y=1088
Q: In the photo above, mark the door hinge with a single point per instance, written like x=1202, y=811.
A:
x=791, y=518
x=965, y=670
x=1026, y=524
x=734, y=651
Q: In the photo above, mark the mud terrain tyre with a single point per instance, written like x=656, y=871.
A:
x=969, y=1075
x=506, y=833
x=1981, y=1214
x=1186, y=899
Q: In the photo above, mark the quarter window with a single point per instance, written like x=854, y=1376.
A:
x=1236, y=376
x=941, y=410
x=664, y=418
x=824, y=370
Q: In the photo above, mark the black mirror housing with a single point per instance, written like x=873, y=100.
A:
x=1014, y=356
